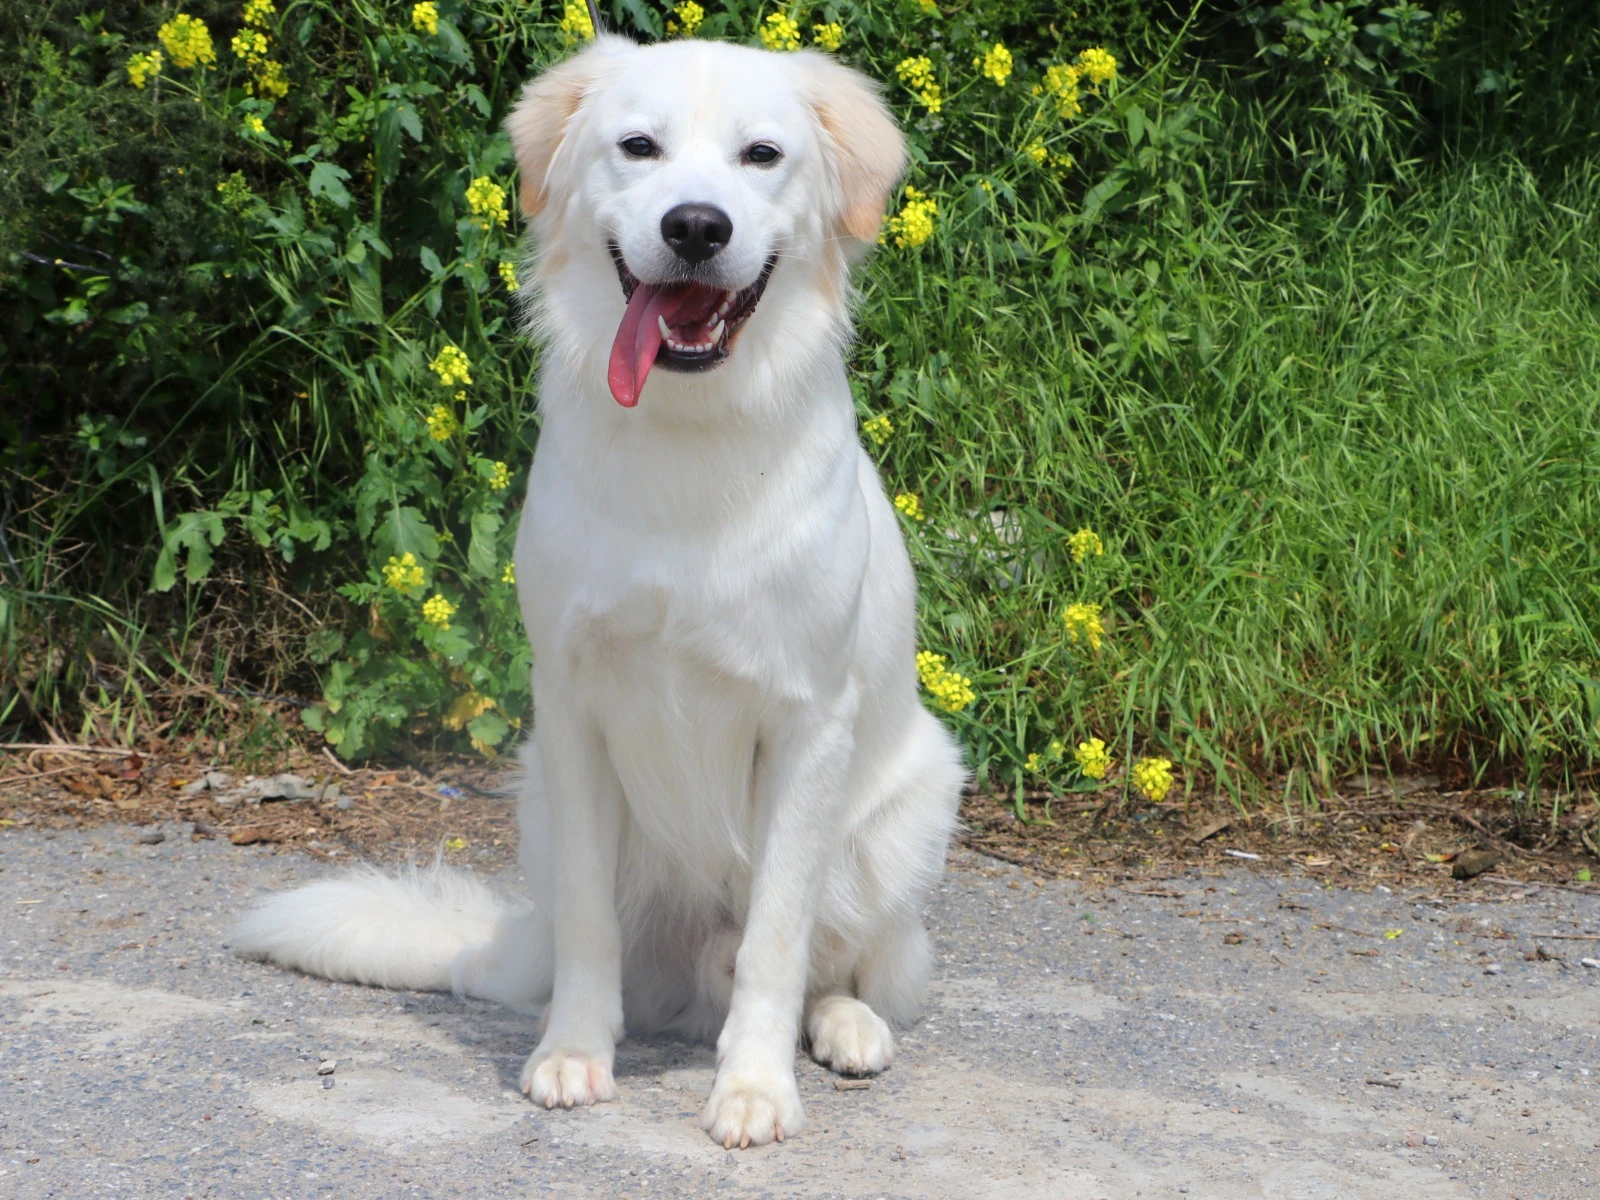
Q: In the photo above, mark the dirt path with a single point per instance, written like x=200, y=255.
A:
x=1245, y=1035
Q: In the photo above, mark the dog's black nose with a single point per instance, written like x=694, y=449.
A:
x=696, y=231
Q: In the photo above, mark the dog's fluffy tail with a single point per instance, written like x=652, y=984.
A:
x=396, y=931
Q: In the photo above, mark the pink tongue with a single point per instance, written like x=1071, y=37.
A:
x=638, y=340
x=639, y=336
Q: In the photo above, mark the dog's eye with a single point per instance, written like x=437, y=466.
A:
x=762, y=154
x=639, y=146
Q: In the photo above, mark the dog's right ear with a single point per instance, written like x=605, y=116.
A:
x=539, y=121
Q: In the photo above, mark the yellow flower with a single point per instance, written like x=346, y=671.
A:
x=690, y=15
x=1098, y=66
x=575, y=22
x=1092, y=758
x=950, y=690
x=1033, y=764
x=403, y=574
x=188, y=41
x=1084, y=543
x=913, y=224
x=466, y=707
x=256, y=12
x=986, y=186
x=509, y=575
x=456, y=843
x=451, y=366
x=878, y=428
x=425, y=18
x=1037, y=152
x=995, y=64
x=1153, y=777
x=1084, y=623
x=487, y=200
x=508, y=276
x=910, y=505
x=250, y=45
x=142, y=66
x=442, y=424
x=828, y=37
x=255, y=124
x=929, y=7
x=437, y=611
x=780, y=32
x=500, y=477
x=1062, y=81
x=1056, y=747
x=917, y=76
x=269, y=80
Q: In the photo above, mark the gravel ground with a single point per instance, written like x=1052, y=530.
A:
x=1249, y=1035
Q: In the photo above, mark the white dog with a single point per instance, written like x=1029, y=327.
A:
x=734, y=804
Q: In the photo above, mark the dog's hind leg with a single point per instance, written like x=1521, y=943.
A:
x=846, y=1036
x=514, y=967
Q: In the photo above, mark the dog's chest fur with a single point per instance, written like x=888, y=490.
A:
x=678, y=637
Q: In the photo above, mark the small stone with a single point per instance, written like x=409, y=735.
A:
x=1493, y=969
x=1591, y=962
x=1473, y=863
x=151, y=837
x=344, y=803
x=327, y=1082
x=1429, y=1140
x=327, y=1066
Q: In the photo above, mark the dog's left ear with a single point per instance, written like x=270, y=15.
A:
x=867, y=148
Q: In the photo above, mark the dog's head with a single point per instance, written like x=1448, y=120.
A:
x=695, y=203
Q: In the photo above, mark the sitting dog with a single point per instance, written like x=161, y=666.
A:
x=733, y=805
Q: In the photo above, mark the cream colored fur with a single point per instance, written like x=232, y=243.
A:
x=734, y=804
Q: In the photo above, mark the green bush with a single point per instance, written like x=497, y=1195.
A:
x=1289, y=306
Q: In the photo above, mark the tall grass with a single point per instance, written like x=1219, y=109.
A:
x=1349, y=493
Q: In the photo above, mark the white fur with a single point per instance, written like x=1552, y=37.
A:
x=734, y=804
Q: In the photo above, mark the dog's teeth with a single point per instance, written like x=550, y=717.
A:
x=661, y=324
x=715, y=328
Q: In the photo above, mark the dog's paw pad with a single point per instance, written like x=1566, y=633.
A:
x=565, y=1079
x=747, y=1109
x=848, y=1037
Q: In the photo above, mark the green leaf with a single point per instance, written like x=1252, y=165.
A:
x=193, y=534
x=129, y=314
x=490, y=728
x=366, y=295
x=410, y=121
x=405, y=530
x=482, y=556
x=449, y=45
x=430, y=262
x=327, y=180
x=645, y=20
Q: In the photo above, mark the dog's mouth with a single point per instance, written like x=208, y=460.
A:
x=679, y=326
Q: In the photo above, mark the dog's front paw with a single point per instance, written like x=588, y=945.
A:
x=848, y=1037
x=553, y=1076
x=752, y=1107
